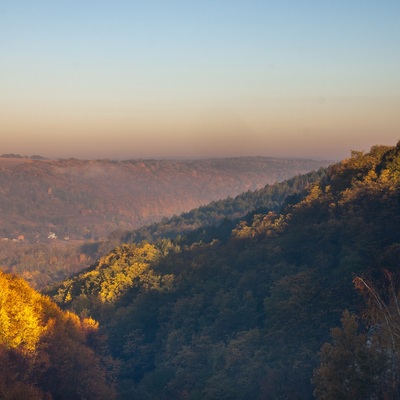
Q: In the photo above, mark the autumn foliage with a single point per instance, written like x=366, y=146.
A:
x=46, y=353
x=241, y=310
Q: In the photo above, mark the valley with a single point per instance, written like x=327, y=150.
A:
x=44, y=200
x=58, y=216
x=276, y=293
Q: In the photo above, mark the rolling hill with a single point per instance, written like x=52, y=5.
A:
x=246, y=316
x=81, y=200
x=55, y=214
x=254, y=313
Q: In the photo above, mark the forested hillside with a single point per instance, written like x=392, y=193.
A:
x=56, y=216
x=201, y=223
x=46, y=353
x=44, y=263
x=245, y=316
x=79, y=200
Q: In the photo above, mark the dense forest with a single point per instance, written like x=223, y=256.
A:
x=59, y=216
x=294, y=302
x=46, y=353
x=44, y=263
x=88, y=199
x=201, y=223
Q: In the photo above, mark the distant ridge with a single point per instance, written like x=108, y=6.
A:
x=87, y=199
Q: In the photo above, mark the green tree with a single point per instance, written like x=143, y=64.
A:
x=351, y=367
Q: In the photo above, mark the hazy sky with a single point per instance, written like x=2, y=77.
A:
x=183, y=78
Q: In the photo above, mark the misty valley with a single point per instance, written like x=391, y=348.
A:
x=239, y=278
x=58, y=216
x=199, y=200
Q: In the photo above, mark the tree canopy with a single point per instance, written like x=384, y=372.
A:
x=248, y=308
x=245, y=315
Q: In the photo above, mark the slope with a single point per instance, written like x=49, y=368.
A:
x=46, y=353
x=75, y=199
x=44, y=263
x=245, y=318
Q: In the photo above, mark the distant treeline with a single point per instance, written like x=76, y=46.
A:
x=33, y=157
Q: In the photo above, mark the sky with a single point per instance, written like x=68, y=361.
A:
x=191, y=79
